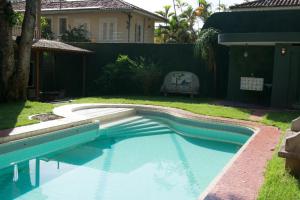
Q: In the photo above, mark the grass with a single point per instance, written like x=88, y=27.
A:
x=17, y=113
x=198, y=106
x=278, y=185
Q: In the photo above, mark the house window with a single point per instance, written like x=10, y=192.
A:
x=111, y=31
x=62, y=25
x=108, y=30
x=105, y=31
x=49, y=24
x=138, y=33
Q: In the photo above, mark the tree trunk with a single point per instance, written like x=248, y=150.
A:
x=20, y=82
x=7, y=64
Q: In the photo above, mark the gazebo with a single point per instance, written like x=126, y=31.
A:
x=42, y=47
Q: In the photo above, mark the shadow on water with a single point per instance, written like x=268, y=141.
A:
x=210, y=144
x=191, y=177
x=17, y=181
x=9, y=113
x=24, y=177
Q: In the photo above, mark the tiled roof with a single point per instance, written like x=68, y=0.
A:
x=267, y=4
x=105, y=5
x=51, y=45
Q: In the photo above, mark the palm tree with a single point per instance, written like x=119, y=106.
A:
x=205, y=10
x=162, y=33
x=206, y=47
x=165, y=13
x=174, y=7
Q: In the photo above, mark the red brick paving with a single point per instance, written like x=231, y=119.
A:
x=244, y=178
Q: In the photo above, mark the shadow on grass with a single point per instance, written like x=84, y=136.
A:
x=174, y=98
x=281, y=119
x=9, y=113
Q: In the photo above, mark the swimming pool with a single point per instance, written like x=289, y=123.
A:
x=152, y=156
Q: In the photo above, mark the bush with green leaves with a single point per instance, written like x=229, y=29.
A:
x=127, y=76
x=46, y=32
x=76, y=34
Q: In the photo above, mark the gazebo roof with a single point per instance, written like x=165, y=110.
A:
x=51, y=45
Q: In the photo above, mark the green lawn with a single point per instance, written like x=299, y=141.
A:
x=278, y=185
x=16, y=114
x=199, y=106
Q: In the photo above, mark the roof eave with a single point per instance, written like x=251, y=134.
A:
x=263, y=8
x=157, y=18
x=96, y=9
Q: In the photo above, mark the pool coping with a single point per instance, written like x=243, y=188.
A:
x=210, y=193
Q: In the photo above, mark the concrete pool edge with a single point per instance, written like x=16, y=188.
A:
x=218, y=188
x=246, y=175
x=68, y=111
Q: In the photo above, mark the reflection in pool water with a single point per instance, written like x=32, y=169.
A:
x=158, y=166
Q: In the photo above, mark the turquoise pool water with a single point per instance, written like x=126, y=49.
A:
x=147, y=158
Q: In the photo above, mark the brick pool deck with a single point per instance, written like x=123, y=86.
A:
x=243, y=177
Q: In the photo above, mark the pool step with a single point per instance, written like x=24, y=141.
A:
x=141, y=126
x=135, y=131
x=138, y=126
x=139, y=121
x=142, y=133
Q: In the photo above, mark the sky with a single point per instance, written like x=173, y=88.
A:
x=154, y=5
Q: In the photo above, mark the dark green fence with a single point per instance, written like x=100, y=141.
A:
x=168, y=57
x=255, y=21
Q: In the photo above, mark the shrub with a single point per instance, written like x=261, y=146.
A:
x=76, y=34
x=127, y=76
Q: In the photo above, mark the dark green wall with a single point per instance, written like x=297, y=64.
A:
x=286, y=84
x=259, y=63
x=169, y=57
x=255, y=21
x=62, y=71
x=281, y=71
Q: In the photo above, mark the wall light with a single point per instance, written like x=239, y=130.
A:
x=283, y=51
x=246, y=54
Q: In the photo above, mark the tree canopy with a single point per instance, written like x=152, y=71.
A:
x=180, y=26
